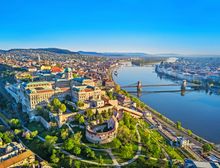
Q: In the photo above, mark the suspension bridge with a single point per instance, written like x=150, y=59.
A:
x=184, y=86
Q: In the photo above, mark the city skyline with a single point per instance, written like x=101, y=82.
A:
x=154, y=27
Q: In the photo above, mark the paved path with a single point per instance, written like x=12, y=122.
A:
x=71, y=130
x=138, y=151
x=115, y=163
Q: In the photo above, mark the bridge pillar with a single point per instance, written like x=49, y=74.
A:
x=139, y=86
x=183, y=86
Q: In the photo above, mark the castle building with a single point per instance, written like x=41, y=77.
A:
x=83, y=81
x=40, y=94
x=95, y=134
x=82, y=93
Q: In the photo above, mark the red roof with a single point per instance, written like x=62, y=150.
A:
x=56, y=69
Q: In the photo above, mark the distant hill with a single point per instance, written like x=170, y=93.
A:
x=53, y=50
x=58, y=51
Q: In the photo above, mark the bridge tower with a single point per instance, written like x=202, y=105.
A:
x=139, y=86
x=183, y=86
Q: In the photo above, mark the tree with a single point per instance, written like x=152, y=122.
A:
x=66, y=162
x=28, y=136
x=77, y=164
x=127, y=151
x=189, y=132
x=77, y=116
x=90, y=153
x=56, y=103
x=80, y=104
x=81, y=120
x=64, y=133
x=54, y=157
x=75, y=75
x=34, y=134
x=178, y=125
x=76, y=150
x=124, y=134
x=89, y=113
x=62, y=108
x=206, y=147
x=50, y=141
x=7, y=137
x=77, y=138
x=116, y=143
x=15, y=123
x=68, y=144
x=17, y=131
x=101, y=161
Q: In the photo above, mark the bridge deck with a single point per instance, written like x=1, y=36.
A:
x=158, y=85
x=160, y=91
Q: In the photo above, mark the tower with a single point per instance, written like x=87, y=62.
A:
x=139, y=86
x=183, y=86
x=68, y=73
x=38, y=57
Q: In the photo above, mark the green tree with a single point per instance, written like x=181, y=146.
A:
x=54, y=157
x=206, y=147
x=17, y=131
x=124, y=134
x=15, y=123
x=189, y=132
x=77, y=138
x=66, y=162
x=50, y=141
x=90, y=153
x=28, y=136
x=7, y=137
x=76, y=150
x=89, y=113
x=127, y=151
x=34, y=133
x=116, y=143
x=68, y=144
x=75, y=75
x=101, y=161
x=178, y=125
x=77, y=164
x=64, y=133
x=62, y=108
x=81, y=120
x=80, y=104
x=56, y=103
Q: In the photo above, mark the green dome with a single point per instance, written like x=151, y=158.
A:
x=68, y=69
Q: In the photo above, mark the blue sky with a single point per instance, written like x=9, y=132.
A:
x=152, y=26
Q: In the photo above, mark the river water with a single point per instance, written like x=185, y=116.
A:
x=197, y=110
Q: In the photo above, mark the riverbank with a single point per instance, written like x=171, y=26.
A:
x=150, y=108
x=205, y=82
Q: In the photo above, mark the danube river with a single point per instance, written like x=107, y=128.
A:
x=197, y=110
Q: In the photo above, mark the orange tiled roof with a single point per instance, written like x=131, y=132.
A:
x=56, y=69
x=16, y=159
